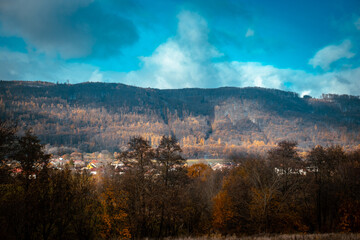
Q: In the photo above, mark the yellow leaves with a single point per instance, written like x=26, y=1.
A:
x=258, y=143
x=223, y=210
x=261, y=203
x=199, y=170
x=113, y=216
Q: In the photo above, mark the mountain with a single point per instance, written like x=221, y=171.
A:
x=211, y=122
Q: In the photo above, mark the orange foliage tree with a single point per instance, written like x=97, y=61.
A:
x=114, y=219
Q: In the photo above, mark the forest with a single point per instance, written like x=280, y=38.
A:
x=158, y=196
x=214, y=122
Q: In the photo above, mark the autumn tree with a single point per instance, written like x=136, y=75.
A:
x=205, y=184
x=170, y=162
x=113, y=216
x=250, y=200
x=86, y=207
x=325, y=163
x=285, y=161
x=231, y=212
x=138, y=183
x=199, y=171
x=285, y=158
x=255, y=197
x=349, y=172
x=168, y=155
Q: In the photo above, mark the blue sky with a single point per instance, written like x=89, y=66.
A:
x=310, y=47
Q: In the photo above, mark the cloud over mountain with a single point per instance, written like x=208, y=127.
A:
x=180, y=44
x=332, y=53
x=189, y=60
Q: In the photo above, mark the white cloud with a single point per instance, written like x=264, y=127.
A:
x=96, y=76
x=183, y=61
x=187, y=60
x=249, y=33
x=332, y=53
x=33, y=66
x=243, y=74
x=305, y=92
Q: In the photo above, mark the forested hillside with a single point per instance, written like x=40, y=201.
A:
x=207, y=122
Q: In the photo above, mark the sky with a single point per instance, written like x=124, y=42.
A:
x=305, y=46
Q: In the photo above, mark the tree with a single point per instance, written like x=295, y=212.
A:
x=138, y=156
x=349, y=172
x=325, y=164
x=113, y=214
x=199, y=171
x=86, y=207
x=138, y=183
x=255, y=198
x=170, y=162
x=172, y=183
x=205, y=184
x=168, y=156
x=290, y=169
x=231, y=212
x=285, y=157
x=33, y=185
x=285, y=160
x=8, y=146
x=31, y=155
x=7, y=141
x=46, y=203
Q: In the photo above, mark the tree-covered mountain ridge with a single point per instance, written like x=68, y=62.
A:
x=207, y=122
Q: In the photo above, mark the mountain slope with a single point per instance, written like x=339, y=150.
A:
x=97, y=116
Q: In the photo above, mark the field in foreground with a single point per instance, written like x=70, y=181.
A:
x=327, y=236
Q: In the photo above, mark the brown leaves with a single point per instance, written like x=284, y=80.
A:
x=114, y=219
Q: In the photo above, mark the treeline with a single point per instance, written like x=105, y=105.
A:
x=155, y=195
x=283, y=193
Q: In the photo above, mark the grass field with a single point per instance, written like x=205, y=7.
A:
x=328, y=236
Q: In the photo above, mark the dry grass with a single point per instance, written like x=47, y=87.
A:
x=327, y=236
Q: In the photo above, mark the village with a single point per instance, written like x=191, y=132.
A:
x=97, y=162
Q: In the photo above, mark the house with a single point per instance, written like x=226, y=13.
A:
x=93, y=164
